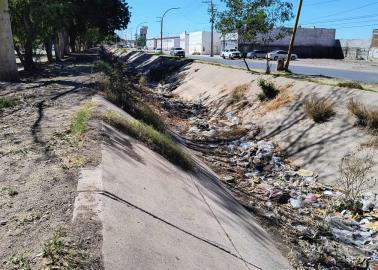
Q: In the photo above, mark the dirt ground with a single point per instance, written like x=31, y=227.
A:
x=40, y=163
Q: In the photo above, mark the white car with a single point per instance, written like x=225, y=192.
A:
x=275, y=55
x=157, y=50
x=231, y=54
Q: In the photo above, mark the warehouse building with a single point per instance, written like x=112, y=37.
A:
x=309, y=43
x=168, y=43
x=200, y=42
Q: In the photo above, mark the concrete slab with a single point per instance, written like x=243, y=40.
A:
x=156, y=216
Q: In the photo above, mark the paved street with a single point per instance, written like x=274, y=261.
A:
x=299, y=68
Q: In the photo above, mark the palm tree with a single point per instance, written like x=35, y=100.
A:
x=8, y=67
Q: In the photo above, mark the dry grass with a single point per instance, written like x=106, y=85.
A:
x=355, y=170
x=319, y=109
x=154, y=139
x=353, y=85
x=372, y=143
x=285, y=97
x=268, y=90
x=238, y=94
x=365, y=117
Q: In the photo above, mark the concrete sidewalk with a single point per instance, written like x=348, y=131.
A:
x=156, y=216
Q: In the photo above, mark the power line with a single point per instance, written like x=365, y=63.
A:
x=344, y=19
x=348, y=10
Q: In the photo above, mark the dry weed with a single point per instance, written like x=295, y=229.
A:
x=319, y=109
x=282, y=99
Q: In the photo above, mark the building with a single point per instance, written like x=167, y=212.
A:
x=373, y=54
x=143, y=32
x=200, y=42
x=355, y=49
x=168, y=43
x=309, y=43
x=374, y=40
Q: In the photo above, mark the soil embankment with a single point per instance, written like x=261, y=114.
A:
x=316, y=147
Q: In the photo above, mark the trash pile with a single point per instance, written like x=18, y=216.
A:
x=304, y=209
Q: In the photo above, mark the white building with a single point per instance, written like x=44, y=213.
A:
x=168, y=43
x=200, y=42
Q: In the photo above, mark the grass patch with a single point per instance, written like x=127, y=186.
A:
x=7, y=103
x=268, y=90
x=20, y=262
x=365, y=117
x=238, y=94
x=372, y=143
x=156, y=140
x=353, y=85
x=283, y=98
x=58, y=255
x=80, y=120
x=319, y=109
x=123, y=93
x=29, y=218
x=11, y=192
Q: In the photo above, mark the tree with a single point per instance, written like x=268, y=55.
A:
x=255, y=19
x=141, y=41
x=8, y=67
x=64, y=24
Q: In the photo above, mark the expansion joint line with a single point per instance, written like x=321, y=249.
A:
x=129, y=204
x=247, y=264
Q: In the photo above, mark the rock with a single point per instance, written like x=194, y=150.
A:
x=296, y=203
x=310, y=198
x=3, y=222
x=229, y=179
x=305, y=173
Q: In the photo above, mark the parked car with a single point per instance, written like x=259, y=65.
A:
x=256, y=54
x=231, y=54
x=275, y=55
x=179, y=52
x=157, y=50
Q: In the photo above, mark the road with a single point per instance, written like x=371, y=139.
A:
x=298, y=68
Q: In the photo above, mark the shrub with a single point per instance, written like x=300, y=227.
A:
x=269, y=90
x=7, y=103
x=359, y=111
x=238, y=94
x=365, y=117
x=157, y=141
x=319, y=109
x=373, y=119
x=282, y=99
x=354, y=85
x=354, y=176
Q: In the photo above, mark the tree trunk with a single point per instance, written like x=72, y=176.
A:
x=56, y=48
x=73, y=43
x=29, y=63
x=8, y=66
x=48, y=48
x=20, y=55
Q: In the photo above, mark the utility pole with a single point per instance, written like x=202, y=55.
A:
x=212, y=11
x=161, y=26
x=293, y=36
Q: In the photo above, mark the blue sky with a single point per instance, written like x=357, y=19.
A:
x=351, y=18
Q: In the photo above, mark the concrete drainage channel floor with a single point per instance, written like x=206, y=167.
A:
x=156, y=216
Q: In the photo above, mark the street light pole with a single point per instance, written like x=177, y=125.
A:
x=161, y=26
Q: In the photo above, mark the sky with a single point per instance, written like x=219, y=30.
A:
x=351, y=18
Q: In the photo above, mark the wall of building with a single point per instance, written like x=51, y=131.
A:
x=373, y=54
x=184, y=42
x=309, y=43
x=374, y=40
x=168, y=43
x=151, y=44
x=355, y=49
